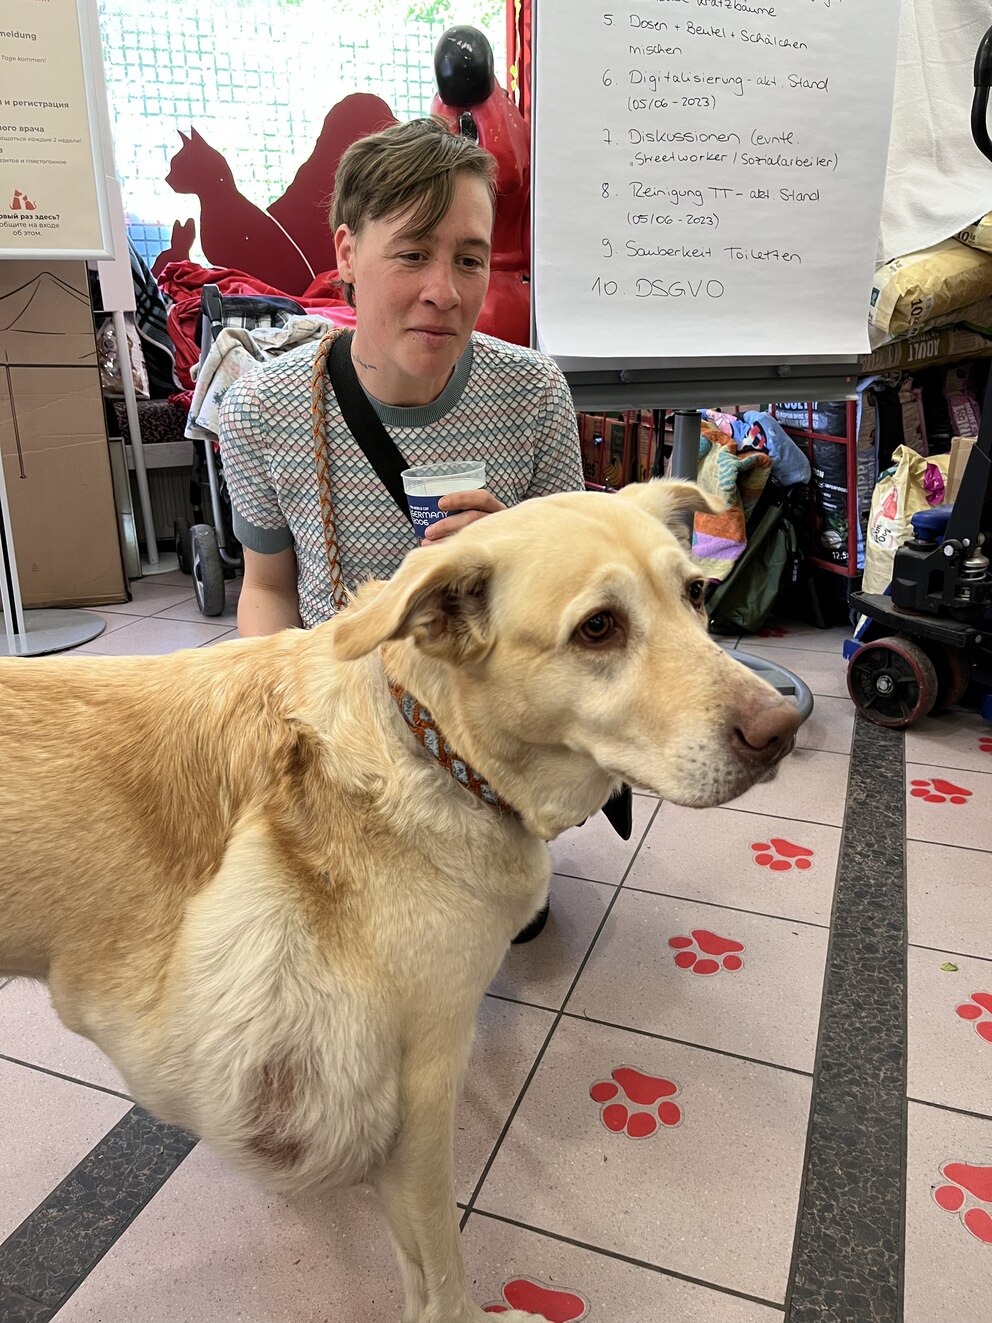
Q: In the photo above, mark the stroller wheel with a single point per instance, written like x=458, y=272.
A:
x=183, y=554
x=892, y=682
x=208, y=570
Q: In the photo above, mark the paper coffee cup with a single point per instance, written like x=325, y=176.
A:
x=425, y=484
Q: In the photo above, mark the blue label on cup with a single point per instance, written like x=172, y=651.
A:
x=424, y=512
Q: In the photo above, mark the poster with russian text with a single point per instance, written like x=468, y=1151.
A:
x=52, y=195
x=708, y=175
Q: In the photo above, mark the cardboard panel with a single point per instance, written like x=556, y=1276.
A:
x=57, y=468
x=45, y=314
x=961, y=448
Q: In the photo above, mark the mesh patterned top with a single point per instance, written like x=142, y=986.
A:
x=504, y=404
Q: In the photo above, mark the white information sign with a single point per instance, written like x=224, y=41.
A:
x=708, y=175
x=53, y=153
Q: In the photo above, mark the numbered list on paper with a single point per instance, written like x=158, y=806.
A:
x=708, y=175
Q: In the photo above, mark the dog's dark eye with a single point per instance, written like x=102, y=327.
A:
x=696, y=591
x=599, y=628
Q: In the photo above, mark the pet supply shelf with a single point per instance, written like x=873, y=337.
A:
x=942, y=347
x=807, y=438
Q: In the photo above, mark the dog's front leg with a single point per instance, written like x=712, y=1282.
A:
x=416, y=1185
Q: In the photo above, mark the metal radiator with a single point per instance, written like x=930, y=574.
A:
x=169, y=492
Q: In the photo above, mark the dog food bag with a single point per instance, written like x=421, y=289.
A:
x=962, y=400
x=913, y=485
x=911, y=291
x=831, y=503
x=914, y=428
x=978, y=235
x=826, y=417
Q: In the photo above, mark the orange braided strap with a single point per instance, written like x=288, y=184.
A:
x=318, y=421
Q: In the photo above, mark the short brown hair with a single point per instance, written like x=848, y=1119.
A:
x=385, y=173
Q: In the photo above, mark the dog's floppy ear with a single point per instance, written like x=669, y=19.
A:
x=439, y=596
x=673, y=502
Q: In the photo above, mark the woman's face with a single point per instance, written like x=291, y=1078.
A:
x=417, y=300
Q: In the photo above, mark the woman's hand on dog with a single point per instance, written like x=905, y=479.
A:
x=465, y=508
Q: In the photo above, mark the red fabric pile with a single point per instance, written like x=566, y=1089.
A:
x=182, y=282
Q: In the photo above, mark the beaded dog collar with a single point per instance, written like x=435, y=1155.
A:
x=422, y=724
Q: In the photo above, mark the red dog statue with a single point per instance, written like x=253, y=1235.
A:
x=473, y=103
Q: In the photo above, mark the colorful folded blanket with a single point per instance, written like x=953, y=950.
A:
x=739, y=479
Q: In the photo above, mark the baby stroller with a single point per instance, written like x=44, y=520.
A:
x=208, y=550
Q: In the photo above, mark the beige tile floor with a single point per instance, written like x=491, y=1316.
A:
x=693, y=1222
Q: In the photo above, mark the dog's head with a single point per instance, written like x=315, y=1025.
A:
x=563, y=643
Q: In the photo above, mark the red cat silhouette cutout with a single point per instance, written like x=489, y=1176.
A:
x=303, y=209
x=233, y=231
x=183, y=234
x=287, y=244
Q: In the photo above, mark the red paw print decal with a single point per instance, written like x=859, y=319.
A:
x=772, y=632
x=939, y=791
x=536, y=1298
x=636, y=1104
x=985, y=744
x=978, y=1010
x=970, y=1194
x=781, y=856
x=712, y=953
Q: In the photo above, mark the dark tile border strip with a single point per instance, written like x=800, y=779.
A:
x=847, y=1263
x=56, y=1246
x=16, y=1308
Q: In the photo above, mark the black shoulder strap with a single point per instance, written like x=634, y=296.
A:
x=365, y=424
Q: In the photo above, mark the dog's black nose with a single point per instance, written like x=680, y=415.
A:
x=763, y=735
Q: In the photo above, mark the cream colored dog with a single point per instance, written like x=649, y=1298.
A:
x=245, y=879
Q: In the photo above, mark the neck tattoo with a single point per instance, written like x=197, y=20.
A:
x=369, y=367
